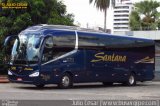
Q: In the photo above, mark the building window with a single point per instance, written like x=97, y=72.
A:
x=122, y=7
x=121, y=19
x=120, y=27
x=121, y=24
x=121, y=11
x=121, y=15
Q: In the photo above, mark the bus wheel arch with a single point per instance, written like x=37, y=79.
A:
x=66, y=80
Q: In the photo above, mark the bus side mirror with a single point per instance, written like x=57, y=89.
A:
x=7, y=43
x=8, y=39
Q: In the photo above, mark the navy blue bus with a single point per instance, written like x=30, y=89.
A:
x=63, y=55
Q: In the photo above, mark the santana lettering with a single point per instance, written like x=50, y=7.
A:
x=110, y=58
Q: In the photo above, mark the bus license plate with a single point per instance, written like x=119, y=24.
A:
x=19, y=79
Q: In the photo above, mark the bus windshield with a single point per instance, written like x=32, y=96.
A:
x=24, y=50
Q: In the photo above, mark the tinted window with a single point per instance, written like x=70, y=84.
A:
x=62, y=39
x=143, y=43
x=117, y=42
x=49, y=42
x=109, y=41
x=85, y=40
x=106, y=41
x=63, y=42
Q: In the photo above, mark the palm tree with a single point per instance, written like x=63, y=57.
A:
x=103, y=5
x=148, y=9
x=135, y=21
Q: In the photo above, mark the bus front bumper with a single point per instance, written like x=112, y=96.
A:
x=25, y=79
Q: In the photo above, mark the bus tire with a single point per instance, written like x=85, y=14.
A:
x=108, y=83
x=66, y=81
x=131, y=80
x=40, y=86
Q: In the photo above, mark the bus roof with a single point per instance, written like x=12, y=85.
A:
x=44, y=27
x=62, y=27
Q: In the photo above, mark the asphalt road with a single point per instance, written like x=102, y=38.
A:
x=90, y=91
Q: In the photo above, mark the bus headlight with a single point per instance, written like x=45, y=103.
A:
x=35, y=74
x=9, y=72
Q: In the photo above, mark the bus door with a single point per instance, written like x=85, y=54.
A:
x=46, y=60
x=76, y=64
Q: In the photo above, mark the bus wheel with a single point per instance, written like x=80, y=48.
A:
x=66, y=81
x=40, y=86
x=131, y=81
x=107, y=83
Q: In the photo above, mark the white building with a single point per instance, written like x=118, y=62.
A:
x=121, y=14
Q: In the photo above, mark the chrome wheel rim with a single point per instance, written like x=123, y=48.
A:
x=131, y=80
x=65, y=81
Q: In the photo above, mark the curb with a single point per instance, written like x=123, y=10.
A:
x=4, y=79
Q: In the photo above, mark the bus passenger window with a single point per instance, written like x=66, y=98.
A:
x=49, y=42
x=59, y=44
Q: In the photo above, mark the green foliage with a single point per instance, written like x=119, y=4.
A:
x=145, y=16
x=135, y=21
x=101, y=4
x=12, y=21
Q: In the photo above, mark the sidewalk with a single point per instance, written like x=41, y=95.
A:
x=3, y=79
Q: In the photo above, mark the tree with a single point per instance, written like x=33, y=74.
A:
x=146, y=15
x=12, y=21
x=103, y=5
x=135, y=21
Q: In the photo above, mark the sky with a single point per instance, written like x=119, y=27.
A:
x=86, y=14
